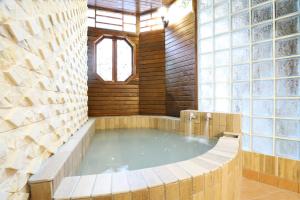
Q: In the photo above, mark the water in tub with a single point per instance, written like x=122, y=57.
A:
x=130, y=149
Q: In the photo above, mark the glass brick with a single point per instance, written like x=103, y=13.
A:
x=263, y=127
x=262, y=13
x=262, y=32
x=203, y=4
x=240, y=72
x=287, y=26
x=262, y=51
x=222, y=74
x=288, y=149
x=205, y=16
x=262, y=108
x=288, y=67
x=221, y=26
x=241, y=106
x=262, y=70
x=240, y=20
x=240, y=90
x=288, y=108
x=222, y=105
x=240, y=38
x=222, y=58
x=287, y=47
x=240, y=55
x=237, y=5
x=288, y=128
x=262, y=145
x=256, y=2
x=206, y=61
x=206, y=105
x=206, y=30
x=245, y=124
x=206, y=75
x=206, y=45
x=288, y=87
x=246, y=142
x=221, y=10
x=222, y=42
x=285, y=7
x=263, y=88
x=222, y=90
x=206, y=91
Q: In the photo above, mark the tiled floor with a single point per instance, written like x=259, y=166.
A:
x=252, y=190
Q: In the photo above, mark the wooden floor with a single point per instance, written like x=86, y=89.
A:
x=252, y=190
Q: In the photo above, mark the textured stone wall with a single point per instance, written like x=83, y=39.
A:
x=43, y=89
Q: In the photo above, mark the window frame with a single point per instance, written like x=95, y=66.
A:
x=114, y=59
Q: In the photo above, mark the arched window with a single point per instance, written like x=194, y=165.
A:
x=114, y=59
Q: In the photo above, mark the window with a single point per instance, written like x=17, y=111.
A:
x=249, y=62
x=114, y=59
x=150, y=21
x=111, y=20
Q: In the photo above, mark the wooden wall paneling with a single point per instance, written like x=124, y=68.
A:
x=152, y=73
x=180, y=49
x=111, y=99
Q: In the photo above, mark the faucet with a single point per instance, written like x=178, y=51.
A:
x=192, y=116
x=208, y=116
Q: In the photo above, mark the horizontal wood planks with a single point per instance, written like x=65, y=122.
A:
x=111, y=99
x=180, y=65
x=152, y=73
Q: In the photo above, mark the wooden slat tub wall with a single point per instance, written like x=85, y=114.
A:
x=152, y=73
x=111, y=99
x=181, y=65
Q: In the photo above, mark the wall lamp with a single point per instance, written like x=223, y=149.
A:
x=163, y=11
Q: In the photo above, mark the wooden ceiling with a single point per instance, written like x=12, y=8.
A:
x=129, y=6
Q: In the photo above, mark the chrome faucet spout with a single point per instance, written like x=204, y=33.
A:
x=192, y=116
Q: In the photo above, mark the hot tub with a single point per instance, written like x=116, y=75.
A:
x=142, y=158
x=119, y=150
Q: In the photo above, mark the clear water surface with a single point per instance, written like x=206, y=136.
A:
x=130, y=149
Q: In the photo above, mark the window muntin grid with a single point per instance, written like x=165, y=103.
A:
x=264, y=69
x=111, y=20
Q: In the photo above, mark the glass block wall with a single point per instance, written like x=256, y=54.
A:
x=249, y=62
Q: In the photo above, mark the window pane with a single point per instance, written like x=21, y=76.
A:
x=104, y=59
x=91, y=22
x=131, y=19
x=124, y=60
x=130, y=28
x=91, y=13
